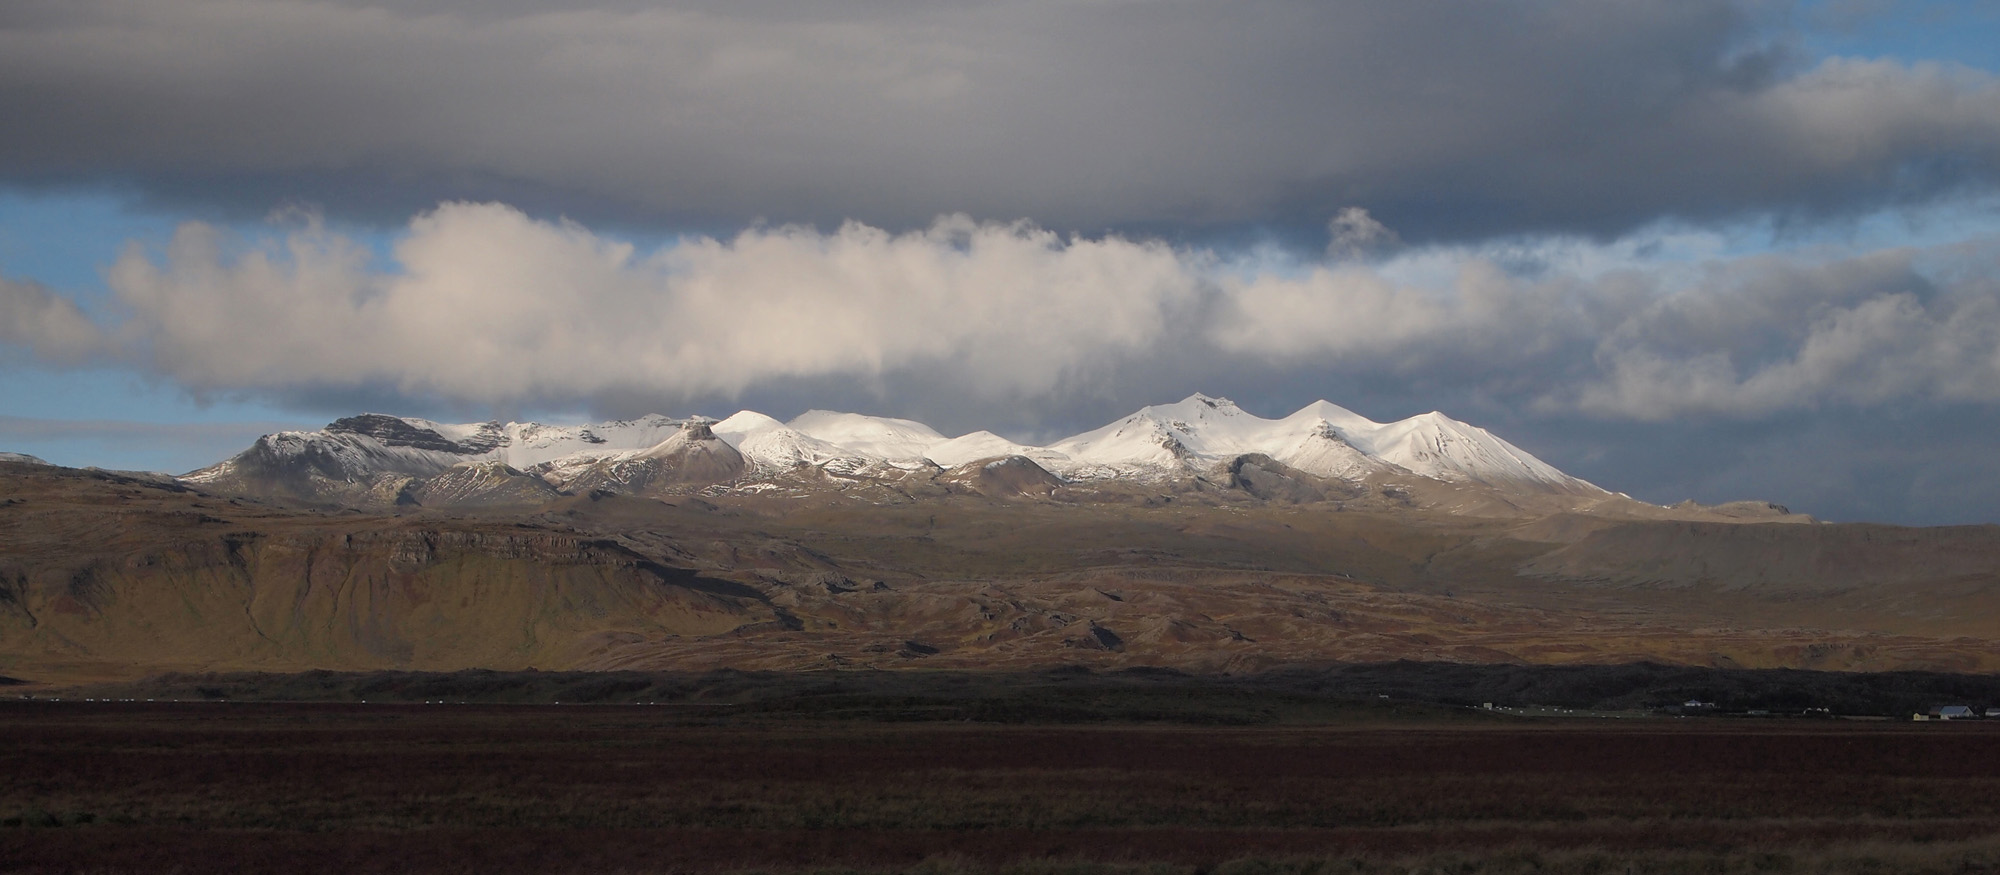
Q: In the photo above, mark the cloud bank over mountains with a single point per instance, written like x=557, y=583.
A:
x=482, y=304
x=1618, y=233
x=1446, y=120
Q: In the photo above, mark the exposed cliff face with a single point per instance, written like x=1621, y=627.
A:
x=398, y=432
x=1272, y=480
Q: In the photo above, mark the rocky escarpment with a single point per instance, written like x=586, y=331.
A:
x=397, y=432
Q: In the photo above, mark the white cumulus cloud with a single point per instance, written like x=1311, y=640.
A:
x=487, y=305
x=483, y=305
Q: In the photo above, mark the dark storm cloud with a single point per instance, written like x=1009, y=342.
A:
x=1445, y=119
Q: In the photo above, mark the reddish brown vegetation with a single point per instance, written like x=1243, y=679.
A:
x=334, y=788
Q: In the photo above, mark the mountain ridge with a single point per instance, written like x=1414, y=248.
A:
x=372, y=458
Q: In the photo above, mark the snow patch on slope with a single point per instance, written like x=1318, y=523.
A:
x=772, y=446
x=879, y=437
x=531, y=443
x=987, y=445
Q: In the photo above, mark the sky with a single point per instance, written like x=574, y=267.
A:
x=1707, y=249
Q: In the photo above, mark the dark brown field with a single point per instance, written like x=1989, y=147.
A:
x=207, y=787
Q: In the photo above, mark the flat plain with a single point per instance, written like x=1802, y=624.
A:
x=348, y=787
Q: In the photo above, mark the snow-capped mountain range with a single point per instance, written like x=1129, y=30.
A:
x=1193, y=438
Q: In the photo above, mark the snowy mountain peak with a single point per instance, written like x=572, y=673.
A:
x=1322, y=438
x=1170, y=437
x=1332, y=414
x=771, y=446
x=1195, y=408
x=972, y=447
x=693, y=433
x=1435, y=445
x=744, y=423
x=1197, y=436
x=881, y=437
x=1211, y=402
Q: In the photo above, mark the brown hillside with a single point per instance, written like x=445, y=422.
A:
x=101, y=574
x=107, y=576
